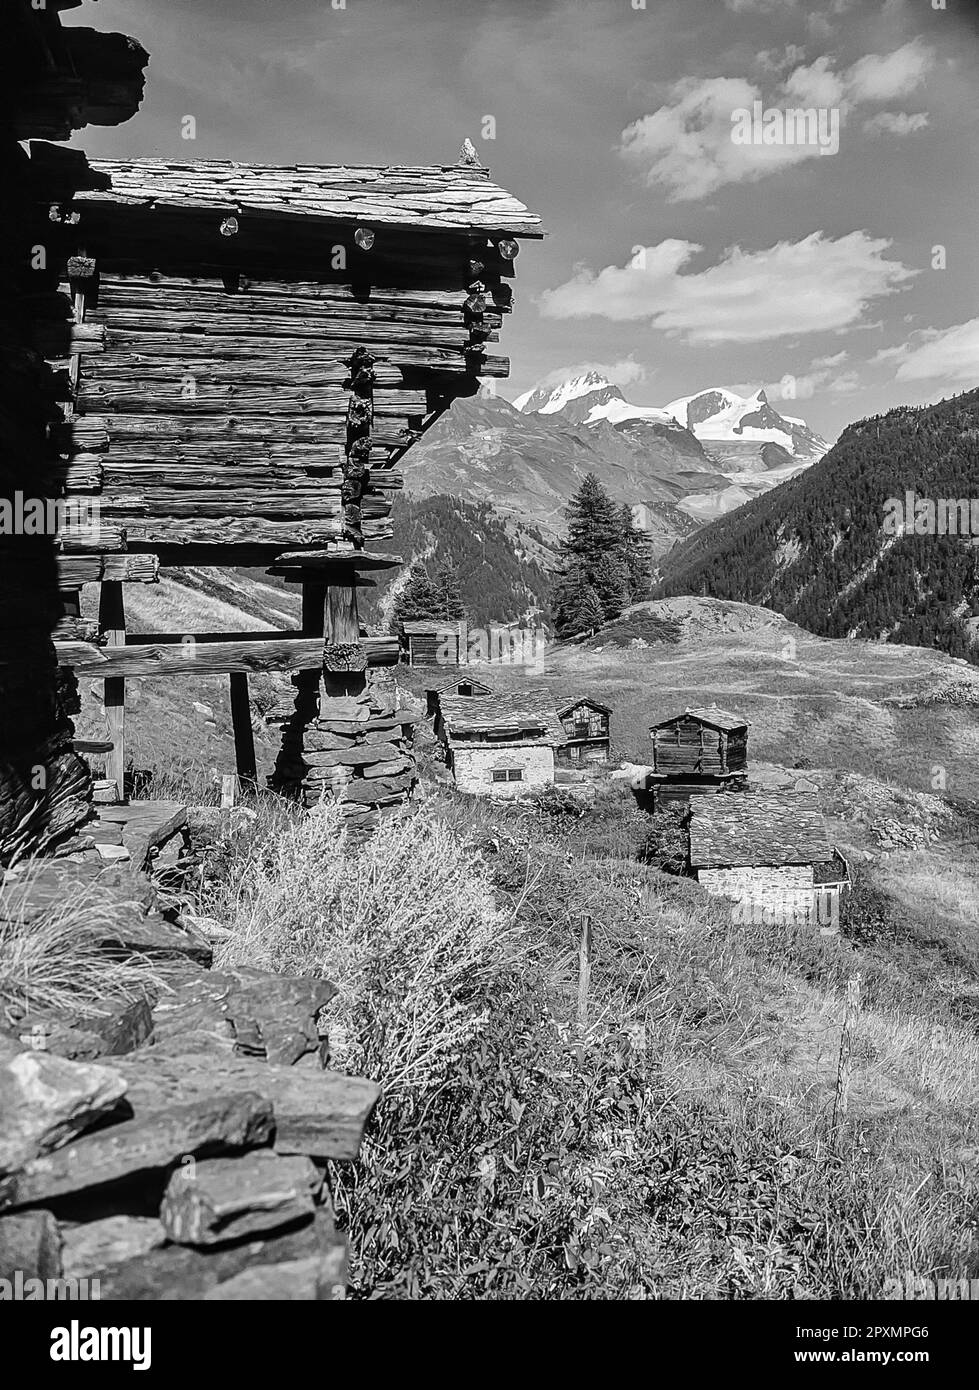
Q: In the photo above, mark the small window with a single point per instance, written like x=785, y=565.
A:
x=499, y=776
x=515, y=775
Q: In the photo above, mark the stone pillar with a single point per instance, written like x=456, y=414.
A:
x=345, y=739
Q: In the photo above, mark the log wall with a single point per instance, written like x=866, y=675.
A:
x=212, y=375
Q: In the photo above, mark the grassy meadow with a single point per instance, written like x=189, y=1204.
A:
x=676, y=1139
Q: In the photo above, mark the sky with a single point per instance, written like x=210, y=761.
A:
x=840, y=272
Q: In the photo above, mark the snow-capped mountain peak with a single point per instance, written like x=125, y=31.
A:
x=548, y=400
x=745, y=432
x=718, y=415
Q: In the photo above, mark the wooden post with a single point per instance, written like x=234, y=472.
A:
x=584, y=983
x=241, y=723
x=341, y=627
x=112, y=621
x=845, y=1068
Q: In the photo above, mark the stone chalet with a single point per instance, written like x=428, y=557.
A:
x=770, y=853
x=498, y=745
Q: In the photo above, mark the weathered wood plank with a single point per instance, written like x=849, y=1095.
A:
x=89, y=569
x=266, y=653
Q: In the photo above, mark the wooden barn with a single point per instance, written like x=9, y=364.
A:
x=467, y=686
x=696, y=753
x=587, y=732
x=251, y=350
x=498, y=745
x=769, y=853
x=431, y=642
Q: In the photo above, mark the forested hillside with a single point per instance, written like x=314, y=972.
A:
x=823, y=548
x=500, y=582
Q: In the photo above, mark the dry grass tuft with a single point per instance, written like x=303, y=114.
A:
x=56, y=961
x=405, y=925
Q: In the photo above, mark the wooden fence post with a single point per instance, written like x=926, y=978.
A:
x=112, y=621
x=584, y=983
x=850, y=1015
x=241, y=723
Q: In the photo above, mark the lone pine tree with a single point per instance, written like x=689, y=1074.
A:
x=604, y=562
x=426, y=596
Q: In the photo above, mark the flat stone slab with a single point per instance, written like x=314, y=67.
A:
x=146, y=825
x=109, y=1240
x=318, y=1278
x=122, y=1026
x=128, y=900
x=180, y=1272
x=46, y=1100
x=30, y=1242
x=241, y=1009
x=224, y=1199
x=158, y=1136
x=319, y=1113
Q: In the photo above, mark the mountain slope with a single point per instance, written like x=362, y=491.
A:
x=502, y=581
x=528, y=465
x=820, y=548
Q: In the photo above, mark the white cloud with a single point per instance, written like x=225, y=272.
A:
x=687, y=145
x=815, y=85
x=811, y=286
x=896, y=123
x=771, y=60
x=884, y=77
x=934, y=354
x=791, y=388
x=833, y=360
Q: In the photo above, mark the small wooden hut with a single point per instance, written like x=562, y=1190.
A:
x=498, y=745
x=435, y=642
x=770, y=853
x=696, y=753
x=587, y=730
x=252, y=350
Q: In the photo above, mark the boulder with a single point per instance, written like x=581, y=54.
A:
x=225, y=1199
x=46, y=1100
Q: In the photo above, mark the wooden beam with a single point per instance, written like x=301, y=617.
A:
x=89, y=569
x=112, y=621
x=212, y=658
